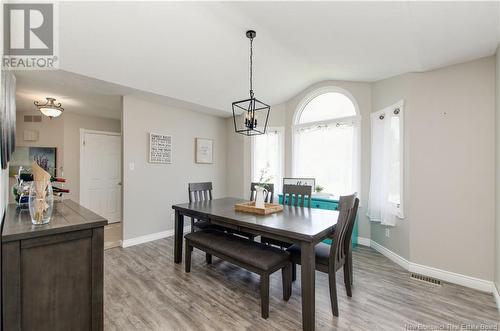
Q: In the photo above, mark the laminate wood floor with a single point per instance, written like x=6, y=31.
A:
x=145, y=290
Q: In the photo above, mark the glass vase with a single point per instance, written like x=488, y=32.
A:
x=41, y=202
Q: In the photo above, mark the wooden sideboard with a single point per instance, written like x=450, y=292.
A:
x=52, y=275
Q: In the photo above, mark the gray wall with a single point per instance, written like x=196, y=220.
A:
x=150, y=190
x=451, y=156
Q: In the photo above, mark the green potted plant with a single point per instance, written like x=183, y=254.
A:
x=318, y=189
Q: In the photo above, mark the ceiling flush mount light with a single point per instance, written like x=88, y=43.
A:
x=250, y=115
x=49, y=108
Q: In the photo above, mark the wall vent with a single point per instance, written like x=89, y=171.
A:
x=32, y=118
x=426, y=279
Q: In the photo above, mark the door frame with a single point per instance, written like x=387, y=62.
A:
x=83, y=132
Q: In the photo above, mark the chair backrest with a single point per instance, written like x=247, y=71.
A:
x=200, y=191
x=268, y=197
x=296, y=195
x=348, y=207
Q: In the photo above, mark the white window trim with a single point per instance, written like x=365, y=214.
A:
x=281, y=131
x=356, y=119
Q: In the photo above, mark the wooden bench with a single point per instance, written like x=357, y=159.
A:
x=253, y=256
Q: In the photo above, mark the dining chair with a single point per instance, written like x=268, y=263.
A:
x=297, y=195
x=330, y=258
x=269, y=197
x=199, y=192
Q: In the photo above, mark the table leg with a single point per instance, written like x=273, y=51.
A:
x=308, y=267
x=179, y=232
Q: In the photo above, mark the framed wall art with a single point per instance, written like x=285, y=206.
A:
x=204, y=150
x=160, y=148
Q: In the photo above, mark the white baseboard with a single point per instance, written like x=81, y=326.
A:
x=447, y=276
x=399, y=260
x=452, y=277
x=497, y=296
x=151, y=237
x=364, y=241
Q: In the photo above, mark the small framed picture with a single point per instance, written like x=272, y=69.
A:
x=204, y=150
x=300, y=181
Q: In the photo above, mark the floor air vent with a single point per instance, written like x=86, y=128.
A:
x=426, y=279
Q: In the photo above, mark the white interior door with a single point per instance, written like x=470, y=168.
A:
x=100, y=174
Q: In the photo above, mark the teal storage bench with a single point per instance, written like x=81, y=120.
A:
x=330, y=204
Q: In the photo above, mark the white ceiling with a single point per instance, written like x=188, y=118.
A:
x=197, y=52
x=74, y=93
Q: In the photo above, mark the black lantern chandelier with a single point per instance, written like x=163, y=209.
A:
x=250, y=115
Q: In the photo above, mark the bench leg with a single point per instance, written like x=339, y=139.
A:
x=264, y=295
x=187, y=262
x=294, y=272
x=208, y=258
x=286, y=276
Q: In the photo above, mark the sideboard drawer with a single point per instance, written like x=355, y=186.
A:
x=324, y=204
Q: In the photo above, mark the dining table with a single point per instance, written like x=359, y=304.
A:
x=299, y=225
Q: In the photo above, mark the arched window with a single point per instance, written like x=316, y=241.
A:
x=326, y=140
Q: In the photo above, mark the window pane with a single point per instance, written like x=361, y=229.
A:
x=267, y=159
x=327, y=154
x=327, y=106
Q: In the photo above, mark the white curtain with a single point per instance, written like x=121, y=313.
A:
x=386, y=202
x=267, y=158
x=327, y=152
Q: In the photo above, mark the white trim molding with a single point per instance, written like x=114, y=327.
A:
x=151, y=237
x=364, y=241
x=452, y=277
x=447, y=276
x=497, y=296
x=399, y=260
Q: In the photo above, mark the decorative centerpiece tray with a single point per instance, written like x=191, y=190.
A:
x=249, y=207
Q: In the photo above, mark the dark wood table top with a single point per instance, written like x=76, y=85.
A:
x=303, y=224
x=67, y=216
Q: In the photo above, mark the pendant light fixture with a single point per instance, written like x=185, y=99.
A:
x=50, y=108
x=250, y=115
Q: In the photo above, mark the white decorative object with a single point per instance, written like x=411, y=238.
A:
x=259, y=196
x=204, y=150
x=160, y=148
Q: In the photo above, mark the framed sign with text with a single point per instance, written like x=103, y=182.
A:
x=160, y=148
x=300, y=181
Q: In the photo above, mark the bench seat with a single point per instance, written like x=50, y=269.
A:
x=254, y=256
x=249, y=252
